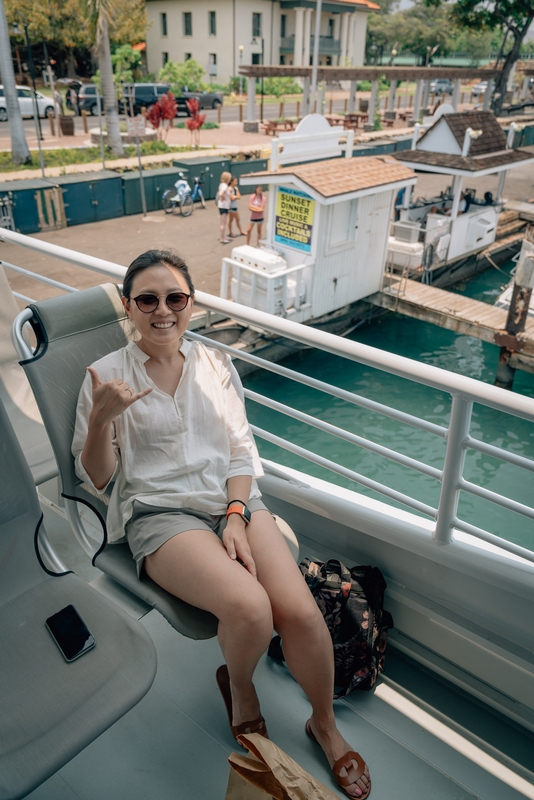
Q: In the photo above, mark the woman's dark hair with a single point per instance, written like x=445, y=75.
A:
x=154, y=258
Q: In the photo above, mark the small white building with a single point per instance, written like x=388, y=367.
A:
x=222, y=35
x=327, y=228
x=435, y=231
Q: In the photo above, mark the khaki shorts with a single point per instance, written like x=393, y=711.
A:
x=151, y=526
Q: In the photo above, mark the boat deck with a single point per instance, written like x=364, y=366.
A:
x=452, y=311
x=422, y=737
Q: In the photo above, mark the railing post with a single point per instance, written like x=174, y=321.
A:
x=458, y=432
x=224, y=280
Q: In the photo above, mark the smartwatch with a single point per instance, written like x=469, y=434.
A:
x=238, y=507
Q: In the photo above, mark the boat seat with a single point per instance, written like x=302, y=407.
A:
x=51, y=709
x=17, y=397
x=72, y=332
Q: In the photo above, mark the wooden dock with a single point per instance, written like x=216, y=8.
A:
x=457, y=313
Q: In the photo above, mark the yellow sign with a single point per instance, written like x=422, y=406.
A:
x=293, y=224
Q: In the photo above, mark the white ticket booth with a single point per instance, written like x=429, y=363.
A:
x=327, y=228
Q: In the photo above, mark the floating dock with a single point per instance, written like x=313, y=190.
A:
x=457, y=313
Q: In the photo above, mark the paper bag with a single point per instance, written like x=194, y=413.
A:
x=268, y=772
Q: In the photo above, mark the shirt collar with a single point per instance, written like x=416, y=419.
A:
x=141, y=357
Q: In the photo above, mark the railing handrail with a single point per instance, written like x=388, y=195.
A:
x=464, y=393
x=403, y=367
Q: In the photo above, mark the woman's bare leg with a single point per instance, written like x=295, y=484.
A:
x=222, y=227
x=259, y=225
x=231, y=218
x=306, y=640
x=228, y=591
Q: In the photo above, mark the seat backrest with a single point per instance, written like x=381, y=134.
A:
x=72, y=331
x=17, y=397
x=19, y=516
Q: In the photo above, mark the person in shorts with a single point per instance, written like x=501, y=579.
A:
x=163, y=418
x=257, y=214
x=224, y=201
x=233, y=216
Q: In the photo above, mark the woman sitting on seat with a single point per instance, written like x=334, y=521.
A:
x=164, y=418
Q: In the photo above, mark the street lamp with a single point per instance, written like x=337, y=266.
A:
x=254, y=43
x=241, y=49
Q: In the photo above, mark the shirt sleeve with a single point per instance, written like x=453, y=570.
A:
x=244, y=456
x=83, y=410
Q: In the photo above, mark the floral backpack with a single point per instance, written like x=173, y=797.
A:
x=351, y=602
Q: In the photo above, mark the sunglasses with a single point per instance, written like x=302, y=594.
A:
x=147, y=303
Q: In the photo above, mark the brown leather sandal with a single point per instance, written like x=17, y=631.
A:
x=256, y=726
x=353, y=773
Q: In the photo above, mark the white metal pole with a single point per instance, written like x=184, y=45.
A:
x=459, y=425
x=316, y=48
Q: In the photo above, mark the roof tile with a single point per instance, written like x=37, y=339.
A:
x=493, y=137
x=482, y=162
x=341, y=176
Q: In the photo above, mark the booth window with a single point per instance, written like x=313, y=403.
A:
x=283, y=22
x=187, y=56
x=342, y=223
x=163, y=18
x=212, y=23
x=188, y=23
x=164, y=58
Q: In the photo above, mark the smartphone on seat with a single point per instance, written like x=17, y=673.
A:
x=70, y=633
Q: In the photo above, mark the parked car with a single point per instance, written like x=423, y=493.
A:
x=26, y=104
x=441, y=86
x=87, y=100
x=145, y=95
x=206, y=99
x=479, y=89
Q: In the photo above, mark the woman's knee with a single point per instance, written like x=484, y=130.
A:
x=248, y=609
x=304, y=616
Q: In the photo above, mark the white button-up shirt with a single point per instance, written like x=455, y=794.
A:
x=173, y=451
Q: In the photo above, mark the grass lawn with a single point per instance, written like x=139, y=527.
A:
x=64, y=156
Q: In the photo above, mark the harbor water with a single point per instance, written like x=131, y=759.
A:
x=423, y=342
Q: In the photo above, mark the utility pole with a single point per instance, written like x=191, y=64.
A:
x=517, y=313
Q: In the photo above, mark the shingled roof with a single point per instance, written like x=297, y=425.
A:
x=343, y=176
x=492, y=139
x=469, y=163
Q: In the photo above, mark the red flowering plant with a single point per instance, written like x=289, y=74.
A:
x=162, y=114
x=195, y=120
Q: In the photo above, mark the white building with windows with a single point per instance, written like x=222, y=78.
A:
x=223, y=34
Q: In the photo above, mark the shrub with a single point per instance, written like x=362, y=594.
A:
x=179, y=74
x=281, y=86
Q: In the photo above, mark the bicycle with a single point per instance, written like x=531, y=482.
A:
x=182, y=197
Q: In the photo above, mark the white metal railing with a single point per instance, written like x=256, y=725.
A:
x=267, y=291
x=464, y=393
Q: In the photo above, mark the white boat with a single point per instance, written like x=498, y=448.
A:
x=453, y=715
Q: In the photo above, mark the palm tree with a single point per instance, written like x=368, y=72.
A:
x=101, y=13
x=20, y=153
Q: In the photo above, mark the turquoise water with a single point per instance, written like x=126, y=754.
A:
x=429, y=344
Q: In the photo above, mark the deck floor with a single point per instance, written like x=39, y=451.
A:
x=175, y=743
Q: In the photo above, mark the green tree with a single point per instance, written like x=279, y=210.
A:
x=415, y=30
x=512, y=17
x=20, y=153
x=183, y=73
